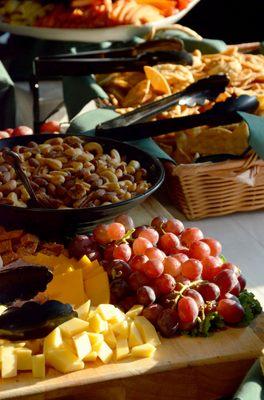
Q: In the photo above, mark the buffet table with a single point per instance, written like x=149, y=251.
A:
x=193, y=368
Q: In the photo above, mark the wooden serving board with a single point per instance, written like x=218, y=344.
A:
x=116, y=379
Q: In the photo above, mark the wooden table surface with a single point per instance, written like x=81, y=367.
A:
x=183, y=368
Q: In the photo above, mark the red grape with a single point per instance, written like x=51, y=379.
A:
x=242, y=281
x=228, y=296
x=100, y=234
x=108, y=251
x=4, y=135
x=209, y=291
x=118, y=288
x=226, y=280
x=174, y=226
x=93, y=255
x=168, y=322
x=186, y=326
x=158, y=222
x=137, y=262
x=168, y=300
x=187, y=309
x=153, y=268
x=215, y=246
x=22, y=131
x=123, y=252
x=196, y=296
x=153, y=253
x=80, y=246
x=181, y=257
x=192, y=269
x=236, y=289
x=190, y=235
x=150, y=234
x=211, y=267
x=146, y=295
x=199, y=250
x=169, y=243
x=172, y=266
x=120, y=269
x=125, y=220
x=138, y=230
x=231, y=311
x=127, y=303
x=116, y=231
x=140, y=245
x=152, y=312
x=50, y=127
x=231, y=267
x=164, y=284
x=137, y=279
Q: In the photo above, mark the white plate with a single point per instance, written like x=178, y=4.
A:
x=118, y=33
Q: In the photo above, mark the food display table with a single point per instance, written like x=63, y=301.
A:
x=183, y=367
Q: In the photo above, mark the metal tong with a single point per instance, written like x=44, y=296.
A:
x=130, y=126
x=104, y=61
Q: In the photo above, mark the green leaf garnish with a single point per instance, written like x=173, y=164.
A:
x=251, y=307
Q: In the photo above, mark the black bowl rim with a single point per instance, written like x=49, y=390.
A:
x=47, y=136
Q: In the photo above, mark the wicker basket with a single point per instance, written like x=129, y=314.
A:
x=207, y=190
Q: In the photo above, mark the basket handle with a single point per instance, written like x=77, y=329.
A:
x=177, y=27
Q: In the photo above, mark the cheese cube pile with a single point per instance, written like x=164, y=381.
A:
x=104, y=333
x=74, y=281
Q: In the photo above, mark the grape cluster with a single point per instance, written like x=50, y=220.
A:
x=174, y=272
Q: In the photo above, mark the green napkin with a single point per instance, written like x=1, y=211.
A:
x=7, y=100
x=252, y=387
x=256, y=131
x=86, y=122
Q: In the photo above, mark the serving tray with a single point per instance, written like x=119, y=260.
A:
x=232, y=350
x=95, y=35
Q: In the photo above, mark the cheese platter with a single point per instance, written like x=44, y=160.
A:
x=175, y=354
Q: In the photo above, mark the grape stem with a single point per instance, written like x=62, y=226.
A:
x=126, y=237
x=184, y=287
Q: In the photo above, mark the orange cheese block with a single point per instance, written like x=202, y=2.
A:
x=67, y=288
x=97, y=289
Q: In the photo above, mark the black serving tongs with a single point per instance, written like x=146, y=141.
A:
x=195, y=94
x=221, y=113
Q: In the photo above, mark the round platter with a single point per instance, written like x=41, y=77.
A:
x=117, y=33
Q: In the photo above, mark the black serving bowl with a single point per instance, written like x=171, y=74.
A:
x=57, y=224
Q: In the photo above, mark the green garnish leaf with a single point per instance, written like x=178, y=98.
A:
x=212, y=322
x=251, y=307
x=223, y=258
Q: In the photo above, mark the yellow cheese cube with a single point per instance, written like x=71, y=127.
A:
x=84, y=262
x=24, y=359
x=9, y=362
x=62, y=269
x=53, y=340
x=107, y=311
x=2, y=309
x=82, y=345
x=89, y=274
x=83, y=310
x=147, y=330
x=63, y=360
x=110, y=338
x=121, y=329
x=38, y=366
x=134, y=311
x=73, y=327
x=122, y=349
x=143, y=350
x=97, y=289
x=67, y=288
x=92, y=356
x=68, y=342
x=96, y=339
x=118, y=317
x=19, y=344
x=134, y=338
x=105, y=353
x=97, y=324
